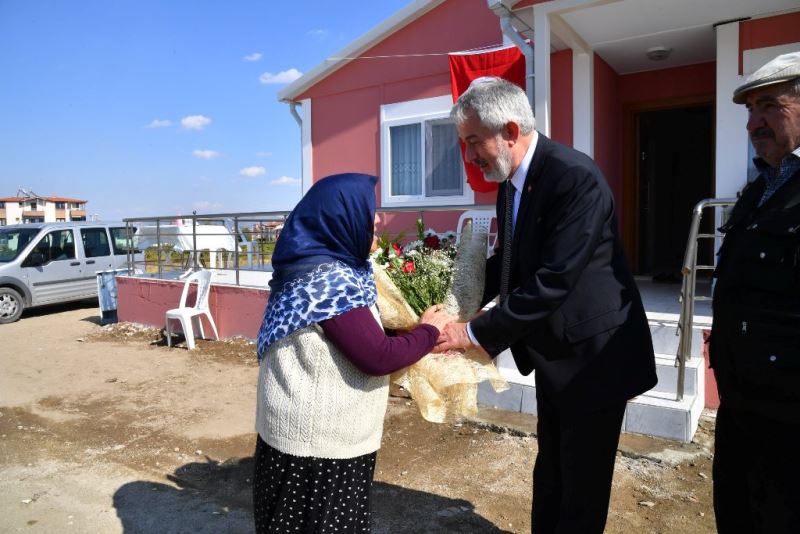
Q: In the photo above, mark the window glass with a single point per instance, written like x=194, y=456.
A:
x=421, y=162
x=95, y=242
x=119, y=240
x=57, y=246
x=443, y=162
x=13, y=241
x=406, y=159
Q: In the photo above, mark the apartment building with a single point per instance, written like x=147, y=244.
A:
x=32, y=208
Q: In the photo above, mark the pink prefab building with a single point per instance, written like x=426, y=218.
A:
x=642, y=86
x=638, y=85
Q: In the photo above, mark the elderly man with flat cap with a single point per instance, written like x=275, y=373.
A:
x=755, y=338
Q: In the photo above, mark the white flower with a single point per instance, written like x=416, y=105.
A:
x=429, y=232
x=412, y=246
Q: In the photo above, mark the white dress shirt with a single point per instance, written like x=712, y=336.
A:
x=518, y=181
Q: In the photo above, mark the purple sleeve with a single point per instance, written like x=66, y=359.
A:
x=359, y=336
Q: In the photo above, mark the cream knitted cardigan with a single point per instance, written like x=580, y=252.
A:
x=313, y=402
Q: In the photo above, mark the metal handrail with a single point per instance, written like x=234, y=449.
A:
x=688, y=287
x=244, y=217
x=193, y=259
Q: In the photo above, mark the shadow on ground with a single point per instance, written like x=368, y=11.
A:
x=62, y=307
x=213, y=497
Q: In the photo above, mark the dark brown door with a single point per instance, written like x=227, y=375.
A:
x=675, y=161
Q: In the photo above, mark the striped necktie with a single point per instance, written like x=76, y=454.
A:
x=505, y=272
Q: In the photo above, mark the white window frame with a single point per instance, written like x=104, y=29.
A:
x=415, y=112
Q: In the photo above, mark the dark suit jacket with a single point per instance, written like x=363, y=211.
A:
x=574, y=313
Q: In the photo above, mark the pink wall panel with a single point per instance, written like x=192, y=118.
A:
x=345, y=133
x=561, y=96
x=406, y=223
x=237, y=311
x=453, y=26
x=437, y=84
x=608, y=127
x=345, y=105
x=665, y=84
x=528, y=3
x=770, y=31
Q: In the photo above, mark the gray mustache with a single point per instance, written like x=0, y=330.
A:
x=762, y=133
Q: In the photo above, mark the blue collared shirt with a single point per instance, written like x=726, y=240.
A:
x=776, y=178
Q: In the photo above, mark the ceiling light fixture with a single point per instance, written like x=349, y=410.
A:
x=658, y=53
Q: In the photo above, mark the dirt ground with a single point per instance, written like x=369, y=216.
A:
x=105, y=429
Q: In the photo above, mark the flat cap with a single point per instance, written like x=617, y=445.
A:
x=783, y=68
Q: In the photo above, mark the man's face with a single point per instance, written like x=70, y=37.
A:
x=774, y=123
x=488, y=150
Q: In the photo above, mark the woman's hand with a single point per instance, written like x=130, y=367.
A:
x=436, y=317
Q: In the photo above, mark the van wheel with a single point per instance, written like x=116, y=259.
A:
x=11, y=305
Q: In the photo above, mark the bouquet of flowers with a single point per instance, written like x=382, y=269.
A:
x=422, y=270
x=432, y=270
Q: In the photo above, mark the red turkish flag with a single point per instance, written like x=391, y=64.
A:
x=506, y=63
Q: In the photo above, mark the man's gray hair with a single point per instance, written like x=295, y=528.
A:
x=794, y=90
x=496, y=102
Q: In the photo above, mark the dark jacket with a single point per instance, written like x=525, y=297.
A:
x=574, y=313
x=755, y=337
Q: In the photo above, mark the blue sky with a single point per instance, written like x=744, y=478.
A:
x=160, y=107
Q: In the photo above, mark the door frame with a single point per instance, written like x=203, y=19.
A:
x=630, y=162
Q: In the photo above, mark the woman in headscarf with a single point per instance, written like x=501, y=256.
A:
x=325, y=359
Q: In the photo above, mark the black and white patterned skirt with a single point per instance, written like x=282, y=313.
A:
x=311, y=495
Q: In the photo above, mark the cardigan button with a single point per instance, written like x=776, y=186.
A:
x=762, y=255
x=773, y=358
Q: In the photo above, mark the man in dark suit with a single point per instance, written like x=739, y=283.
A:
x=568, y=309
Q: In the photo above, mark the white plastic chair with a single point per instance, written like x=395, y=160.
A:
x=481, y=222
x=189, y=315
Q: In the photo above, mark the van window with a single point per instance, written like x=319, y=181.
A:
x=13, y=241
x=95, y=242
x=56, y=246
x=119, y=240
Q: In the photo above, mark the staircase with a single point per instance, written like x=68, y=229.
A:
x=657, y=412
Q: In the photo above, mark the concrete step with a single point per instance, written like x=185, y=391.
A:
x=667, y=373
x=660, y=414
x=656, y=412
x=664, y=328
x=653, y=413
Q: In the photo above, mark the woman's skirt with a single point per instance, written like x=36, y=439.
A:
x=311, y=495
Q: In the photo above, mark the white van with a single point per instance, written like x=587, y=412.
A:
x=46, y=263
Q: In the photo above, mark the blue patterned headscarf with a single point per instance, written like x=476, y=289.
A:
x=321, y=266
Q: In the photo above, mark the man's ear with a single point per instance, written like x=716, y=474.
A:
x=511, y=133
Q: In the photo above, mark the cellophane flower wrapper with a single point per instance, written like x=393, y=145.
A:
x=445, y=386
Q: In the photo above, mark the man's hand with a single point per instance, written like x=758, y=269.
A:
x=454, y=336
